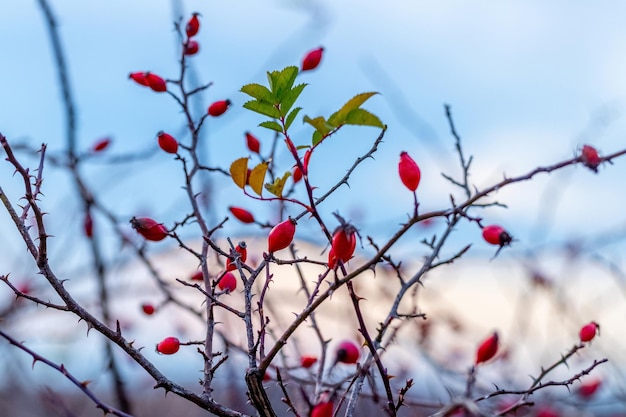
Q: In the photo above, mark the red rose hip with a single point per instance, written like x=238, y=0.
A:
x=347, y=352
x=241, y=214
x=253, y=143
x=167, y=142
x=588, y=331
x=168, y=346
x=149, y=228
x=281, y=235
x=487, y=349
x=193, y=25
x=496, y=235
x=409, y=171
x=312, y=59
x=218, y=108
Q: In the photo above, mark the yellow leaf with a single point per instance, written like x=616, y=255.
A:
x=257, y=176
x=279, y=184
x=239, y=172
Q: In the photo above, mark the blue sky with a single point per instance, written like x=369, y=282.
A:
x=528, y=82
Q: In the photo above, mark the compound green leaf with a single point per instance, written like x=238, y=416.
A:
x=282, y=81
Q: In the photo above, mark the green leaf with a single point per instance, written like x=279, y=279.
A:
x=282, y=81
x=257, y=177
x=262, y=107
x=291, y=117
x=239, y=172
x=303, y=147
x=320, y=124
x=279, y=183
x=258, y=91
x=290, y=98
x=339, y=117
x=270, y=124
x=361, y=117
x=317, y=138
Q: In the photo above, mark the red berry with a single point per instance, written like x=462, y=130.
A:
x=197, y=276
x=344, y=242
x=281, y=235
x=218, y=108
x=88, y=225
x=323, y=409
x=253, y=143
x=241, y=214
x=228, y=282
x=168, y=346
x=155, y=82
x=139, y=78
x=590, y=158
x=148, y=309
x=193, y=25
x=307, y=361
x=589, y=388
x=496, y=235
x=167, y=142
x=547, y=412
x=101, y=145
x=487, y=349
x=409, y=171
x=243, y=255
x=296, y=174
x=191, y=47
x=589, y=331
x=347, y=352
x=149, y=228
x=312, y=59
x=332, y=259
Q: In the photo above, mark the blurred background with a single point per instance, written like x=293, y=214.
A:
x=528, y=82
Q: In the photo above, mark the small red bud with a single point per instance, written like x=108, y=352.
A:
x=241, y=214
x=588, y=331
x=281, y=235
x=409, y=171
x=149, y=228
x=487, y=349
x=323, y=409
x=312, y=59
x=347, y=352
x=191, y=47
x=307, y=361
x=168, y=346
x=148, y=309
x=155, y=82
x=253, y=143
x=88, y=225
x=140, y=78
x=218, y=108
x=590, y=158
x=496, y=235
x=193, y=25
x=101, y=145
x=167, y=142
x=228, y=282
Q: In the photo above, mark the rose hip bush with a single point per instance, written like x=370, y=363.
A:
x=310, y=385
